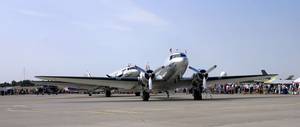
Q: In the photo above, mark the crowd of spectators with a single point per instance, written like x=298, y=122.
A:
x=256, y=89
x=245, y=88
x=248, y=88
x=29, y=90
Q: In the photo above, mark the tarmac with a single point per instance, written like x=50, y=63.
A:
x=129, y=111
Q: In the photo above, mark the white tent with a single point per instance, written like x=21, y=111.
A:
x=297, y=80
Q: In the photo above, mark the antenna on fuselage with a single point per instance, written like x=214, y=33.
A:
x=147, y=66
x=171, y=50
x=88, y=74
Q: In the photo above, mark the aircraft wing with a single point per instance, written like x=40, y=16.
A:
x=64, y=84
x=131, y=83
x=125, y=83
x=238, y=79
x=186, y=82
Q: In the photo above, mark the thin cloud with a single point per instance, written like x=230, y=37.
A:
x=108, y=25
x=130, y=13
x=144, y=17
x=84, y=25
x=33, y=13
x=118, y=27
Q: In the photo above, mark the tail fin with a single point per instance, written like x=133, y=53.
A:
x=264, y=72
x=290, y=77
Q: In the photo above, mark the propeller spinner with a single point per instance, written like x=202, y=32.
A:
x=149, y=75
x=203, y=74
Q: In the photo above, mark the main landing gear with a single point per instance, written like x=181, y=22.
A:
x=197, y=90
x=146, y=95
x=137, y=94
x=107, y=93
x=168, y=94
x=197, y=93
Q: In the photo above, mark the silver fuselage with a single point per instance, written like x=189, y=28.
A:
x=171, y=72
x=130, y=71
x=174, y=68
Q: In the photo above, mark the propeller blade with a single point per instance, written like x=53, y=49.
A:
x=194, y=69
x=204, y=83
x=150, y=83
x=211, y=69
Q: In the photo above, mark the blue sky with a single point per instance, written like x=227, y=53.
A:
x=67, y=37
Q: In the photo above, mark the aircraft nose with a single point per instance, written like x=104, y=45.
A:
x=183, y=61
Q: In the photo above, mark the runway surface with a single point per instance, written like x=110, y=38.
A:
x=129, y=111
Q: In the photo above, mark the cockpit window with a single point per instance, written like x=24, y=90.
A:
x=182, y=55
x=130, y=68
x=172, y=56
x=177, y=55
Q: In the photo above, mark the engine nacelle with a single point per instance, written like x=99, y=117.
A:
x=144, y=77
x=149, y=74
x=199, y=76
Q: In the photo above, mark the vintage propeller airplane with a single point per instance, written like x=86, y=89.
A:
x=165, y=78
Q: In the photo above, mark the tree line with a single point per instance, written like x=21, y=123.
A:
x=17, y=83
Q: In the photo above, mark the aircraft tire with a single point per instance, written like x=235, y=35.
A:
x=107, y=93
x=197, y=94
x=146, y=96
x=137, y=93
